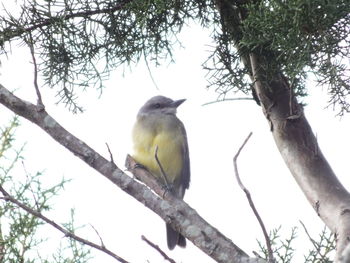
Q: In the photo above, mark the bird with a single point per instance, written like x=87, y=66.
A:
x=159, y=134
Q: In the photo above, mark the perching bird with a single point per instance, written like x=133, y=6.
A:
x=158, y=128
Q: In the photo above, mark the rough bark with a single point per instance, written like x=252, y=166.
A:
x=299, y=149
x=172, y=210
x=290, y=129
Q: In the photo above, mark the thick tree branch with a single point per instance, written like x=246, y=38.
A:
x=8, y=197
x=299, y=149
x=174, y=211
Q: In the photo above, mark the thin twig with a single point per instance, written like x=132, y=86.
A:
x=317, y=245
x=161, y=167
x=314, y=243
x=30, y=187
x=150, y=72
x=110, y=153
x=156, y=247
x=12, y=33
x=67, y=233
x=98, y=234
x=40, y=103
x=227, y=99
x=251, y=203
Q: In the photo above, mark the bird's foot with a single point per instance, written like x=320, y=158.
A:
x=168, y=188
x=140, y=166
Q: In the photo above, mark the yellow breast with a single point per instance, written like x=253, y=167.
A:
x=169, y=139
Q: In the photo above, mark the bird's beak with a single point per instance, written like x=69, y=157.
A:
x=177, y=103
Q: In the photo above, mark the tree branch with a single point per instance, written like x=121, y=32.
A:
x=251, y=203
x=10, y=33
x=226, y=99
x=299, y=149
x=173, y=211
x=8, y=197
x=39, y=100
x=98, y=234
x=156, y=247
x=110, y=154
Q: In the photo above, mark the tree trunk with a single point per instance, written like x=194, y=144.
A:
x=291, y=131
x=299, y=149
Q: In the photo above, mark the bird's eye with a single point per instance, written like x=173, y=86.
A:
x=157, y=105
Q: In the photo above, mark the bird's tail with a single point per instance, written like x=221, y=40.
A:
x=174, y=238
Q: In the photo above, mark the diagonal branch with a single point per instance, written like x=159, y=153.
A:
x=156, y=247
x=8, y=197
x=172, y=210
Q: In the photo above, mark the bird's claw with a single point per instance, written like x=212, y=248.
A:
x=168, y=188
x=140, y=166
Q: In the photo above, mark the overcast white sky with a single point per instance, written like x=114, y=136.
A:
x=215, y=133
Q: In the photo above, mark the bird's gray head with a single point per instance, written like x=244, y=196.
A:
x=160, y=105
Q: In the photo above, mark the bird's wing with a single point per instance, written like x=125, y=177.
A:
x=185, y=172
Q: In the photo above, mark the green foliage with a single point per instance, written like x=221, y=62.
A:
x=290, y=37
x=76, y=250
x=282, y=249
x=19, y=238
x=303, y=36
x=226, y=72
x=7, y=136
x=293, y=38
x=322, y=249
x=80, y=42
x=227, y=66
